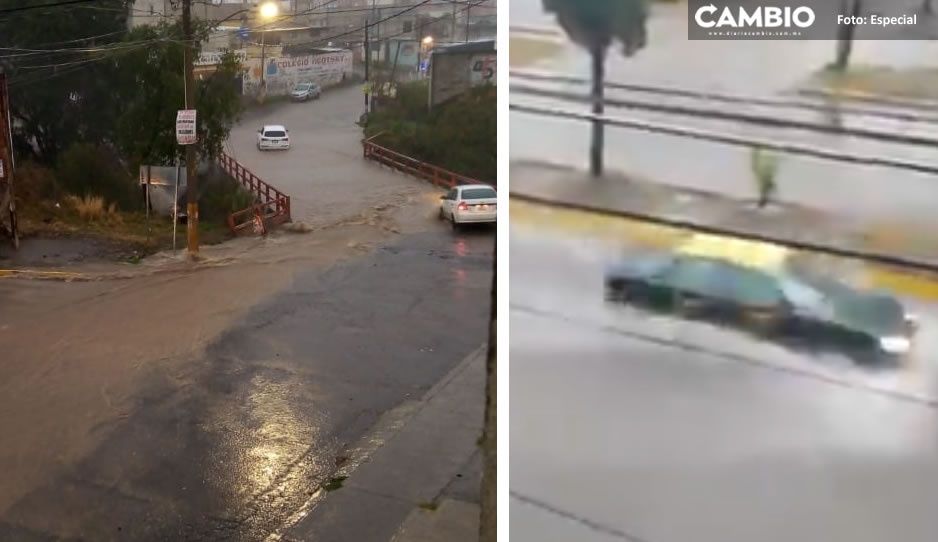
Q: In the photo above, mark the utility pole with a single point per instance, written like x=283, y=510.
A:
x=452, y=33
x=367, y=64
x=262, y=91
x=192, y=185
x=468, y=9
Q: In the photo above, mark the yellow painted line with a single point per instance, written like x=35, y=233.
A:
x=920, y=286
x=621, y=230
x=604, y=227
x=32, y=273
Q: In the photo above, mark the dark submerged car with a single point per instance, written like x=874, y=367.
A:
x=785, y=304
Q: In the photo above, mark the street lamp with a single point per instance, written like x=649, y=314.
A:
x=267, y=11
x=426, y=45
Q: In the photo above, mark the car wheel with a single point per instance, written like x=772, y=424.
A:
x=455, y=225
x=442, y=216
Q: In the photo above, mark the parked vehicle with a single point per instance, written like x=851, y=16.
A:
x=777, y=301
x=306, y=91
x=471, y=203
x=273, y=137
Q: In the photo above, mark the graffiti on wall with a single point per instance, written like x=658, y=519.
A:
x=482, y=69
x=281, y=74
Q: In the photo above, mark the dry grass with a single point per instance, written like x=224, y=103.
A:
x=526, y=51
x=89, y=208
x=94, y=209
x=910, y=83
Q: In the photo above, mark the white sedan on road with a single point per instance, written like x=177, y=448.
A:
x=470, y=203
x=273, y=137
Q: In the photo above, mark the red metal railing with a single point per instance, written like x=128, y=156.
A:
x=434, y=174
x=272, y=205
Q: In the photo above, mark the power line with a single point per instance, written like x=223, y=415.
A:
x=361, y=28
x=40, y=6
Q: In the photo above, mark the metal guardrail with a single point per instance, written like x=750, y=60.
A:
x=273, y=206
x=401, y=162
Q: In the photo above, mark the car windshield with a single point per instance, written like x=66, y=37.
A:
x=478, y=193
x=275, y=133
x=302, y=87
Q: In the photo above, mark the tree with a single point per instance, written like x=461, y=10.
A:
x=845, y=34
x=149, y=85
x=595, y=25
x=764, y=169
x=58, y=86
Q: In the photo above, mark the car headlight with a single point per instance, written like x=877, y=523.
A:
x=895, y=345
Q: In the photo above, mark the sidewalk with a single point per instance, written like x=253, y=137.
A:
x=620, y=195
x=422, y=483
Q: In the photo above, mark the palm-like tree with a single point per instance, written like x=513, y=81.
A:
x=595, y=25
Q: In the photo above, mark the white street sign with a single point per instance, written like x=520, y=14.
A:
x=185, y=127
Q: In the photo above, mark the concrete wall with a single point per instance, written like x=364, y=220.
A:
x=283, y=73
x=454, y=73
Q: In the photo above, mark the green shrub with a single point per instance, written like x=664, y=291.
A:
x=460, y=135
x=222, y=195
x=87, y=170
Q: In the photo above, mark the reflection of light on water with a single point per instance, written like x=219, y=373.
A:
x=461, y=248
x=281, y=438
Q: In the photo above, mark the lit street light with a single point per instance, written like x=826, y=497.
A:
x=269, y=10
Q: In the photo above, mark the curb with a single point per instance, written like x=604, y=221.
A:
x=388, y=430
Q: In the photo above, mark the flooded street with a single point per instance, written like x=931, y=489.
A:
x=172, y=401
x=633, y=426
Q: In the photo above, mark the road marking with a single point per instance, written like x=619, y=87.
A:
x=626, y=231
x=35, y=274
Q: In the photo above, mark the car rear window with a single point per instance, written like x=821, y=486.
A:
x=478, y=193
x=275, y=133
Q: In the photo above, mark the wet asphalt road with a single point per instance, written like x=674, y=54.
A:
x=630, y=427
x=229, y=450
x=758, y=68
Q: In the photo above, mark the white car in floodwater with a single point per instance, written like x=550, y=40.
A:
x=469, y=204
x=273, y=137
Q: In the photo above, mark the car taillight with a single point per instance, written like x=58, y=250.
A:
x=463, y=206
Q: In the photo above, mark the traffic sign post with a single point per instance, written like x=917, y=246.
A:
x=185, y=127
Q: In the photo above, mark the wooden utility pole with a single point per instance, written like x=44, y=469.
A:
x=367, y=65
x=7, y=201
x=192, y=185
